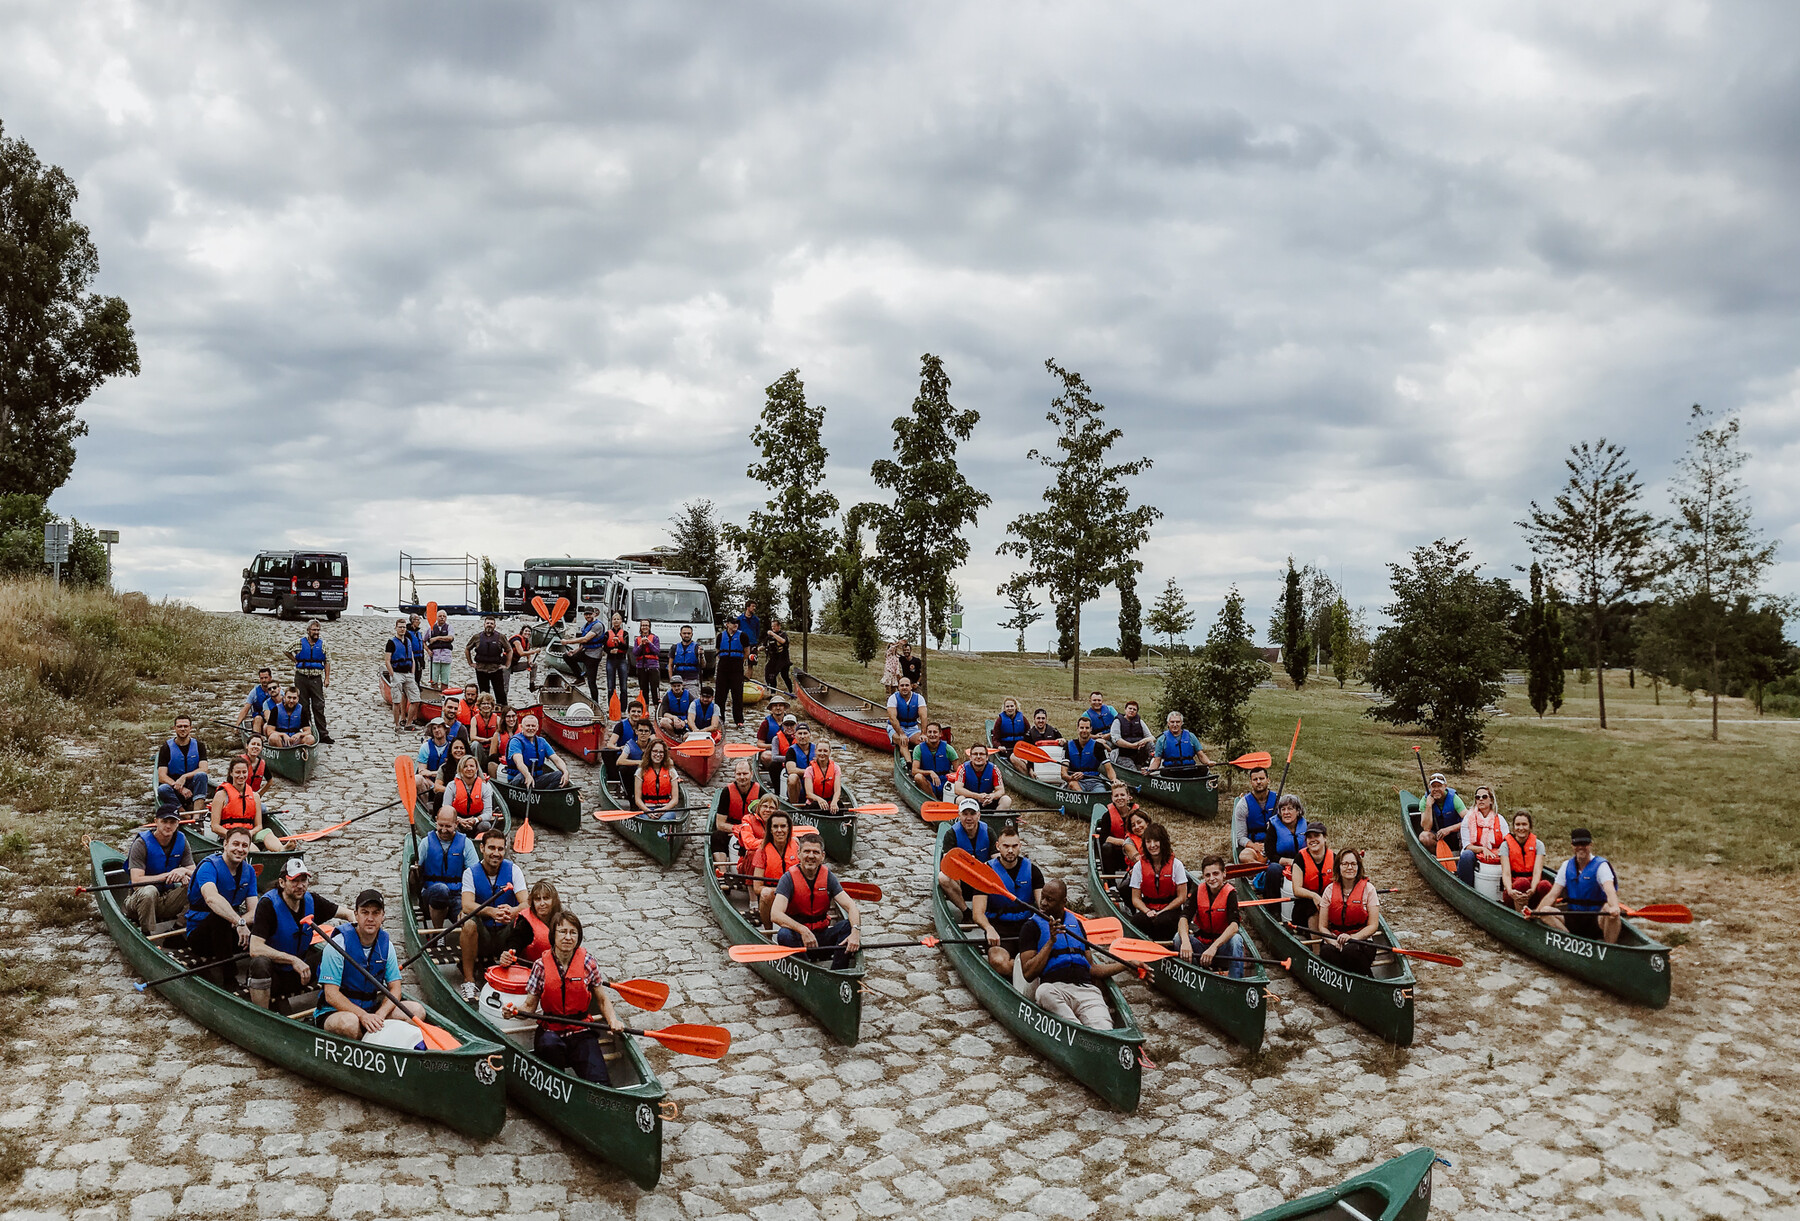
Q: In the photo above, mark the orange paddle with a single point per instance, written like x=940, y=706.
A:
x=1448, y=960
x=1660, y=913
x=537, y=604
x=707, y=1042
x=559, y=610
x=1101, y=930
x=307, y=837
x=646, y=994
x=1031, y=752
x=525, y=839
x=1391, y=890
x=430, y=617
x=1259, y=758
x=742, y=750
x=436, y=1037
x=409, y=787
x=696, y=748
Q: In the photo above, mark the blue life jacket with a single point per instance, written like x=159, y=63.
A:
x=1068, y=961
x=261, y=699
x=403, y=653
x=799, y=760
x=1083, y=758
x=1584, y=893
x=357, y=988
x=731, y=644
x=684, y=659
x=1258, y=814
x=678, y=703
x=906, y=711
x=418, y=643
x=435, y=754
x=751, y=627
x=1285, y=843
x=529, y=751
x=438, y=863
x=703, y=713
x=233, y=890
x=1178, y=751
x=1101, y=722
x=770, y=727
x=181, y=762
x=289, y=937
x=984, y=781
x=487, y=890
x=982, y=849
x=1018, y=881
x=1010, y=727
x=935, y=760
x=310, y=655
x=627, y=733
x=158, y=859
x=1443, y=814
x=285, y=719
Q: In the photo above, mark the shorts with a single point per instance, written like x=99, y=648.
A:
x=404, y=687
x=1583, y=924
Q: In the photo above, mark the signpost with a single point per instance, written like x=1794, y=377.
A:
x=56, y=547
x=109, y=537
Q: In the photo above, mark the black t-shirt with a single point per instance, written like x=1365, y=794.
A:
x=775, y=647
x=162, y=754
x=263, y=922
x=399, y=666
x=913, y=668
x=1049, y=733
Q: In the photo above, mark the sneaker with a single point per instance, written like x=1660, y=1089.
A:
x=326, y=740
x=469, y=993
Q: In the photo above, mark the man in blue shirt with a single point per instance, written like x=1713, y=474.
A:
x=350, y=1006
x=1178, y=752
x=531, y=760
x=750, y=625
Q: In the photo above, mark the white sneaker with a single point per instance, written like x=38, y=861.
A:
x=469, y=993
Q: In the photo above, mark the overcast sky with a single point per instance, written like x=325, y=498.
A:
x=510, y=279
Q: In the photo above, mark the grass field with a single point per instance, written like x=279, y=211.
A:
x=1653, y=787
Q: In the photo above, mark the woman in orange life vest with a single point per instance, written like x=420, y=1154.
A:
x=1158, y=886
x=567, y=982
x=253, y=759
x=737, y=818
x=1118, y=851
x=772, y=858
x=531, y=934
x=235, y=805
x=483, y=722
x=823, y=781
x=1349, y=915
x=1522, y=864
x=656, y=790
x=1483, y=831
x=509, y=725
x=1312, y=870
x=447, y=773
x=472, y=798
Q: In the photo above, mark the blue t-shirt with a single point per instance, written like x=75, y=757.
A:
x=525, y=754
x=260, y=700
x=751, y=627
x=332, y=968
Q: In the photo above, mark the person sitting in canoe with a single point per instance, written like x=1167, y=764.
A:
x=823, y=783
x=771, y=859
x=1119, y=847
x=349, y=1005
x=703, y=715
x=1481, y=833
x=284, y=961
x=780, y=740
x=629, y=733
x=770, y=725
x=795, y=761
x=1085, y=766
x=447, y=773
x=509, y=729
x=1100, y=715
x=471, y=797
x=1157, y=888
x=567, y=982
x=972, y=836
x=1178, y=753
x=737, y=814
x=1009, y=727
x=1130, y=738
x=1349, y=916
x=906, y=714
x=434, y=752
x=1312, y=872
x=1251, y=816
x=220, y=896
x=655, y=789
x=531, y=761
x=161, y=865
x=1283, y=843
x=256, y=768
x=1042, y=732
x=1054, y=953
x=261, y=701
x=1523, y=883
x=676, y=703
x=530, y=935
x=1000, y=917
x=933, y=759
x=801, y=911
x=181, y=777
x=484, y=890
x=234, y=805
x=484, y=728
x=1209, y=928
x=1588, y=888
x=1442, y=817
x=444, y=856
x=979, y=780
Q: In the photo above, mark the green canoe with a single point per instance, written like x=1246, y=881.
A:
x=292, y=763
x=1028, y=790
x=621, y=1123
x=557, y=809
x=836, y=831
x=915, y=797
x=1397, y=1190
x=1636, y=968
x=1233, y=1005
x=834, y=998
x=1105, y=1061
x=462, y=1089
x=1193, y=794
x=654, y=835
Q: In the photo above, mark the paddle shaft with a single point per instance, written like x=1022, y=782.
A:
x=425, y=945
x=924, y=944
x=288, y=839
x=205, y=966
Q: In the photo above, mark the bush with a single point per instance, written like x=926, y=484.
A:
x=28, y=713
x=1183, y=692
x=1102, y=651
x=1782, y=705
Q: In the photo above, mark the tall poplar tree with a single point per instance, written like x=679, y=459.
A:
x=1341, y=662
x=1543, y=651
x=1131, y=619
x=1290, y=616
x=1024, y=607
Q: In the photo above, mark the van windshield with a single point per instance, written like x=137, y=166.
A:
x=315, y=567
x=672, y=605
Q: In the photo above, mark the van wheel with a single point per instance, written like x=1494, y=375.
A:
x=287, y=609
x=331, y=616
x=244, y=602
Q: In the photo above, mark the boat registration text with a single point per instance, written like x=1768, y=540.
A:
x=354, y=1055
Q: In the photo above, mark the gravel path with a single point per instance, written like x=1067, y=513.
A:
x=1549, y=1098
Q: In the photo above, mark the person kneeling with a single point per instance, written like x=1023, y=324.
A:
x=802, y=908
x=350, y=1006
x=1054, y=953
x=566, y=982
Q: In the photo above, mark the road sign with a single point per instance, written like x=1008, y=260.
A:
x=109, y=536
x=56, y=542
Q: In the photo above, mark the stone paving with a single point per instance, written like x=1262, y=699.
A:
x=1549, y=1098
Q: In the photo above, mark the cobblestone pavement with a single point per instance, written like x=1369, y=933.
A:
x=1547, y=1096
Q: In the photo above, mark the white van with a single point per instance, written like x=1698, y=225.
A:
x=669, y=600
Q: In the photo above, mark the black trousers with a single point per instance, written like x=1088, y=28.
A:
x=1160, y=927
x=730, y=678
x=649, y=688
x=1356, y=956
x=311, y=684
x=493, y=681
x=778, y=666
x=590, y=668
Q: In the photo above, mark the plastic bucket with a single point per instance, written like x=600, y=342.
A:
x=1487, y=880
x=396, y=1033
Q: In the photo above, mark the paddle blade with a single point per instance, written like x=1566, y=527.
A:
x=615, y=815
x=1449, y=960
x=1132, y=949
x=1444, y=858
x=1102, y=930
x=880, y=807
x=1260, y=758
x=430, y=614
x=436, y=1037
x=696, y=748
x=525, y=839
x=742, y=750
x=407, y=783
x=1031, y=752
x=938, y=811
x=867, y=892
x=762, y=953
x=559, y=610
x=961, y=866
x=1661, y=913
x=646, y=994
x=707, y=1042
x=537, y=604
x=807, y=828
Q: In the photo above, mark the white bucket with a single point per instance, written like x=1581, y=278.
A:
x=577, y=713
x=396, y=1033
x=491, y=1001
x=1487, y=880
x=1049, y=773
x=1287, y=892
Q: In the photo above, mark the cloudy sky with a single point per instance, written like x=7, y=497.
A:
x=510, y=279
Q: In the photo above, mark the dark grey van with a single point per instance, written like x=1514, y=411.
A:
x=297, y=583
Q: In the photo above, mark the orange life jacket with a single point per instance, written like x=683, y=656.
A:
x=468, y=804
x=1347, y=915
x=566, y=992
x=658, y=784
x=259, y=773
x=824, y=784
x=738, y=804
x=811, y=904
x=769, y=864
x=1523, y=860
x=1313, y=875
x=781, y=743
x=540, y=935
x=1209, y=916
x=1118, y=822
x=484, y=727
x=241, y=808
x=1156, y=886
x=1487, y=837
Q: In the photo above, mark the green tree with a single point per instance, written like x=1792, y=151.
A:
x=919, y=541
x=1543, y=649
x=1065, y=632
x=1321, y=598
x=1131, y=626
x=850, y=578
x=490, y=588
x=1289, y=628
x=1655, y=650
x=1596, y=538
x=1088, y=534
x=1340, y=642
x=1228, y=670
x=58, y=341
x=1442, y=660
x=1024, y=607
x=863, y=623
x=697, y=547
x=1170, y=616
x=1553, y=620
x=794, y=538
x=1760, y=653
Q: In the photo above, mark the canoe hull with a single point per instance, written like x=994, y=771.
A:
x=1198, y=795
x=554, y=809
x=429, y=704
x=464, y=1090
x=622, y=1126
x=292, y=763
x=700, y=769
x=1636, y=969
x=1235, y=1006
x=916, y=797
x=846, y=713
x=837, y=832
x=1105, y=1061
x=650, y=835
x=1396, y=1190
x=582, y=739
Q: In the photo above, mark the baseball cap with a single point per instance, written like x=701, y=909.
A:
x=677, y=681
x=371, y=898
x=295, y=868
x=790, y=719
x=1581, y=835
x=1316, y=828
x=1437, y=778
x=168, y=810
x=967, y=803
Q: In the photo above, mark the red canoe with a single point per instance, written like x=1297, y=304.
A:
x=429, y=704
x=845, y=713
x=699, y=767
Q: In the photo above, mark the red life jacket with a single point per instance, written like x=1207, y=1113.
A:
x=465, y=803
x=657, y=785
x=259, y=774
x=485, y=727
x=566, y=993
x=240, y=809
x=1118, y=825
x=1347, y=915
x=1156, y=886
x=1523, y=861
x=824, y=784
x=781, y=743
x=618, y=642
x=540, y=935
x=501, y=741
x=811, y=904
x=738, y=804
x=768, y=864
x=1209, y=916
x=1313, y=876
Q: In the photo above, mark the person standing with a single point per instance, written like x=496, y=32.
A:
x=646, y=658
x=751, y=626
x=588, y=649
x=734, y=651
x=440, y=643
x=491, y=655
x=686, y=659
x=777, y=661
x=312, y=674
x=911, y=668
x=618, y=661
x=403, y=682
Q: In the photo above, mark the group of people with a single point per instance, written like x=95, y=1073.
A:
x=781, y=867
x=1103, y=736
x=420, y=654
